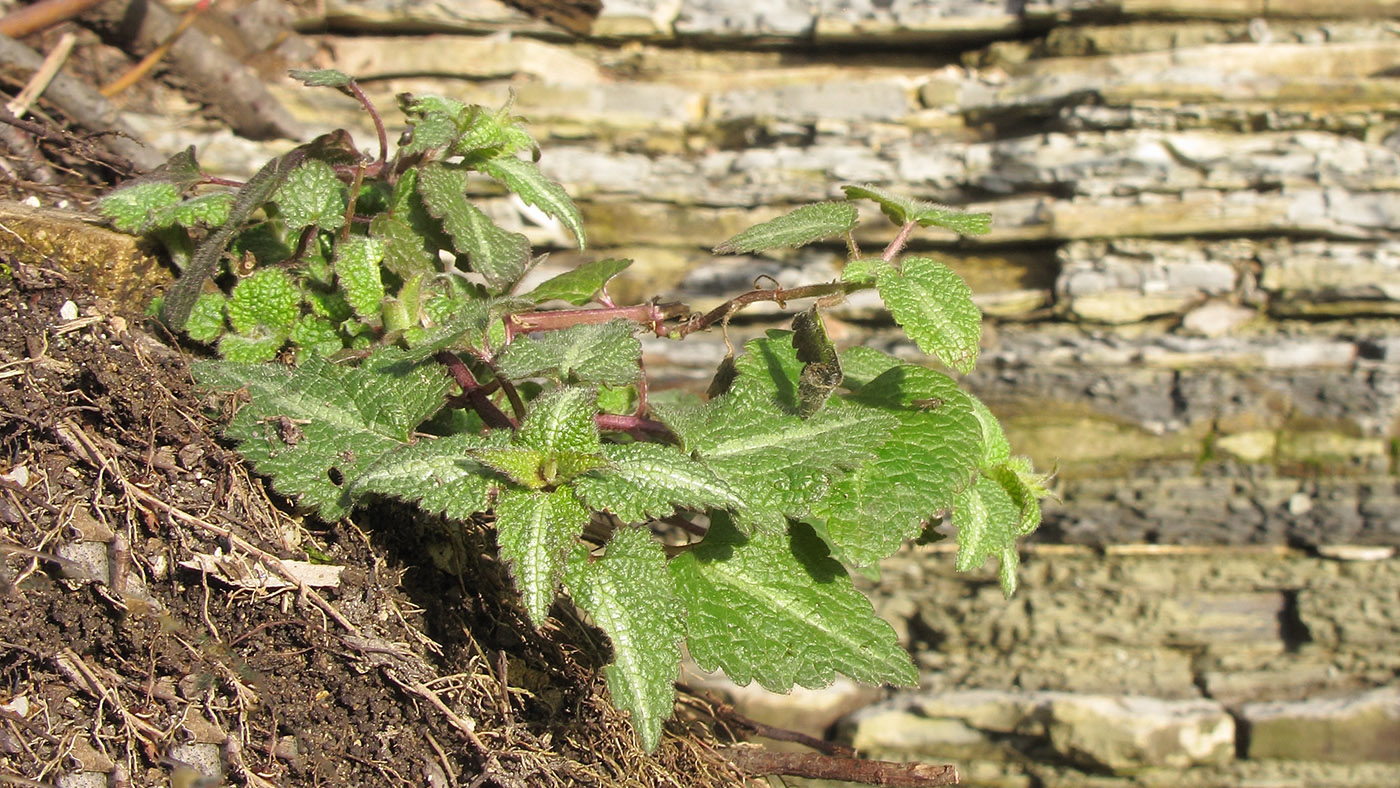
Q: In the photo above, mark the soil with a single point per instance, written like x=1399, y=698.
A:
x=122, y=663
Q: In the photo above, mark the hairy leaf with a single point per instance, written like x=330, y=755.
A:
x=562, y=420
x=632, y=598
x=776, y=608
x=934, y=307
x=438, y=474
x=357, y=260
x=268, y=299
x=535, y=530
x=207, y=320
x=596, y=353
x=579, y=285
x=250, y=348
x=499, y=256
x=929, y=458
x=796, y=228
x=406, y=230
x=753, y=439
x=649, y=480
x=320, y=77
x=901, y=210
x=987, y=520
x=315, y=428
x=525, y=180
x=137, y=207
x=311, y=195
x=210, y=210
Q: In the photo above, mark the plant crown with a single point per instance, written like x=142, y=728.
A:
x=421, y=372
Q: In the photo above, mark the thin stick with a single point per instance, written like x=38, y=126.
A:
x=136, y=72
x=41, y=79
x=758, y=761
x=43, y=14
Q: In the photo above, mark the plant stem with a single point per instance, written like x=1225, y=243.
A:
x=473, y=392
x=635, y=425
x=652, y=315
x=359, y=94
x=777, y=295
x=899, y=241
x=350, y=203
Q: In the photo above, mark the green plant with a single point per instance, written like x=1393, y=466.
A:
x=421, y=374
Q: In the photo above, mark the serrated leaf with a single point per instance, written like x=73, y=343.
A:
x=357, y=260
x=648, y=481
x=987, y=518
x=411, y=236
x=207, y=320
x=315, y=336
x=521, y=464
x=795, y=228
x=440, y=475
x=1026, y=488
x=320, y=77
x=861, y=365
x=995, y=448
x=579, y=285
x=526, y=181
x=208, y=210
x=929, y=458
x=250, y=348
x=534, y=530
x=865, y=270
x=776, y=608
x=311, y=195
x=135, y=208
x=268, y=300
x=901, y=210
x=934, y=306
x=315, y=428
x=632, y=597
x=753, y=439
x=562, y=420
x=499, y=256
x=597, y=353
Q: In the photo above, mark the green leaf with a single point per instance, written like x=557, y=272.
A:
x=796, y=228
x=579, y=285
x=776, y=608
x=440, y=475
x=631, y=596
x=315, y=428
x=520, y=464
x=647, y=481
x=321, y=77
x=311, y=195
x=753, y=439
x=996, y=449
x=209, y=210
x=902, y=210
x=525, y=180
x=865, y=270
x=250, y=349
x=406, y=230
x=207, y=320
x=535, y=531
x=268, y=300
x=357, y=261
x=987, y=519
x=315, y=336
x=497, y=255
x=1026, y=488
x=860, y=365
x=931, y=456
x=562, y=420
x=134, y=208
x=934, y=306
x=596, y=353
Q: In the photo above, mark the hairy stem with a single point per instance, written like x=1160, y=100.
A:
x=899, y=241
x=634, y=425
x=472, y=392
x=777, y=295
x=652, y=315
x=359, y=94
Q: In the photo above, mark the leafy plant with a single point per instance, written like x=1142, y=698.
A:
x=726, y=523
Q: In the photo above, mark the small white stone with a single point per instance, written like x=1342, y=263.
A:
x=1299, y=504
x=1355, y=552
x=69, y=310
